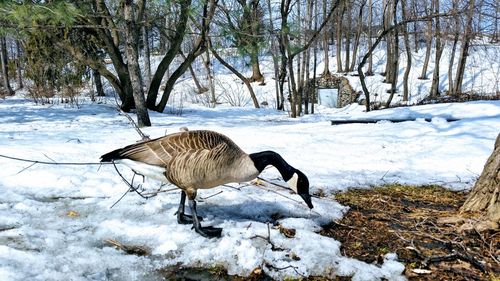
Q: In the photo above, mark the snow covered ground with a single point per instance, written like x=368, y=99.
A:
x=54, y=220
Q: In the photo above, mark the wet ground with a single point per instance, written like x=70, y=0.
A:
x=409, y=221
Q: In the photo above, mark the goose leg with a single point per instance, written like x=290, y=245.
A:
x=181, y=217
x=208, y=231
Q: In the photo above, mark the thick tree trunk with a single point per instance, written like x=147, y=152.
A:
x=5, y=71
x=170, y=54
x=131, y=50
x=485, y=196
x=98, y=83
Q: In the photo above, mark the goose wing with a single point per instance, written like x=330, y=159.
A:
x=161, y=151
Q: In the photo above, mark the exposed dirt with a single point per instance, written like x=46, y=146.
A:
x=408, y=221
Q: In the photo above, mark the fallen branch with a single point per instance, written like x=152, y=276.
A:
x=375, y=120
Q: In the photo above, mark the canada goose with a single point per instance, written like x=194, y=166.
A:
x=194, y=160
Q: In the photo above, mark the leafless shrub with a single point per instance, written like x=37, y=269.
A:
x=233, y=93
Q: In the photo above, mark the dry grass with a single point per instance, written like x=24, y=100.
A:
x=405, y=220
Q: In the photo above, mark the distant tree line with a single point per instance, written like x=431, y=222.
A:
x=52, y=46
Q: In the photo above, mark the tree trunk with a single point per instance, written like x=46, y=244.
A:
x=358, y=36
x=369, y=72
x=210, y=77
x=245, y=80
x=275, y=55
x=4, y=65
x=326, y=60
x=395, y=53
x=465, y=50
x=439, y=51
x=406, y=38
x=147, y=54
x=132, y=50
x=485, y=196
x=20, y=84
x=339, y=37
x=170, y=54
x=98, y=83
x=453, y=49
x=348, y=36
x=428, y=47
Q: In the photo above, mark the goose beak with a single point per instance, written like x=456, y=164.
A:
x=307, y=199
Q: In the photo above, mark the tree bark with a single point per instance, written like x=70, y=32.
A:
x=347, y=34
x=428, y=47
x=274, y=50
x=147, y=54
x=326, y=46
x=20, y=83
x=456, y=35
x=485, y=195
x=465, y=49
x=4, y=65
x=358, y=36
x=132, y=52
x=369, y=72
x=98, y=83
x=406, y=38
x=340, y=16
x=167, y=59
x=439, y=51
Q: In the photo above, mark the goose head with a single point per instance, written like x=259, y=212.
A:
x=300, y=184
x=296, y=180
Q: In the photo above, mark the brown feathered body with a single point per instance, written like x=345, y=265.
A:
x=190, y=160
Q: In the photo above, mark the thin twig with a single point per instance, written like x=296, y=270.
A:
x=54, y=163
x=144, y=137
x=210, y=196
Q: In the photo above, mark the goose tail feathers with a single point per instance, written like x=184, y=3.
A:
x=113, y=155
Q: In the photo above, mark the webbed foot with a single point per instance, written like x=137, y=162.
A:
x=208, y=231
x=186, y=219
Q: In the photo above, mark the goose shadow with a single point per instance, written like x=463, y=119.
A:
x=246, y=211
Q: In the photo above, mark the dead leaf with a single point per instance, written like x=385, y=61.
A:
x=421, y=271
x=288, y=232
x=72, y=214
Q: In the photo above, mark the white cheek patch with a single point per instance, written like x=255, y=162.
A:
x=293, y=182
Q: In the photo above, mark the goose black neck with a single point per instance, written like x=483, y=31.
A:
x=262, y=159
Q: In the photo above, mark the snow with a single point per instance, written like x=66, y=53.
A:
x=54, y=220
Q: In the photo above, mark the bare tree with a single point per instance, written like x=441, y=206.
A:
x=467, y=37
x=358, y=35
x=439, y=51
x=406, y=39
x=456, y=34
x=369, y=72
x=340, y=16
x=132, y=52
x=428, y=45
x=485, y=196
